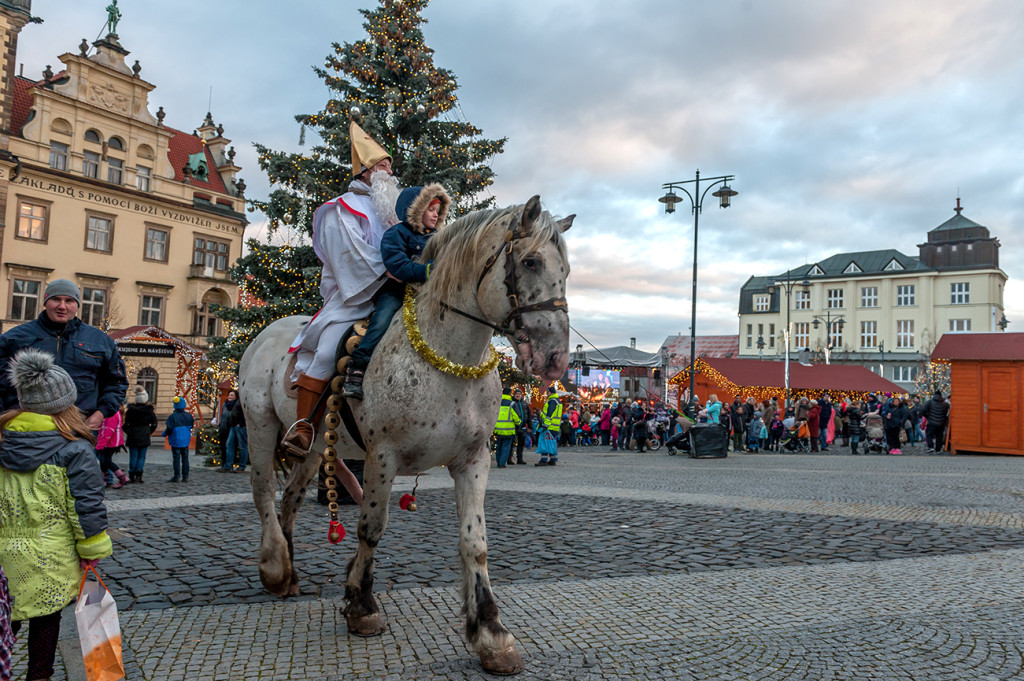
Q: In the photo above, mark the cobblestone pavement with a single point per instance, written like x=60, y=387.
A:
x=608, y=566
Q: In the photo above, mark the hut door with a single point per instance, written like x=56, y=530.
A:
x=1000, y=394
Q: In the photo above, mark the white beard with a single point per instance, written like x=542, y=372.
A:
x=384, y=195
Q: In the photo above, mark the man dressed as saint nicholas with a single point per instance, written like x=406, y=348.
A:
x=346, y=237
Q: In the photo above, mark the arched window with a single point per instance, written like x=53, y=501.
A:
x=92, y=136
x=149, y=379
x=115, y=143
x=145, y=151
x=204, y=322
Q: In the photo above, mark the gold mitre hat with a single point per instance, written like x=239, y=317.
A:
x=366, y=153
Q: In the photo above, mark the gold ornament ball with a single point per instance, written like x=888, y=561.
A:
x=412, y=506
x=288, y=218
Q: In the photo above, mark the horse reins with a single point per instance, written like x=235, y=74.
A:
x=516, y=310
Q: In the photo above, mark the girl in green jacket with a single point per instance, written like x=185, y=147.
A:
x=52, y=519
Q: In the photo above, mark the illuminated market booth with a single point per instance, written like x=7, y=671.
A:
x=762, y=380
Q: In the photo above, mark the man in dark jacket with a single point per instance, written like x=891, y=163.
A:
x=522, y=410
x=936, y=413
x=738, y=423
x=86, y=353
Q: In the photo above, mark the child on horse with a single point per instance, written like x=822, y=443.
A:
x=423, y=211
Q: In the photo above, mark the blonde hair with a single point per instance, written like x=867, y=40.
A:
x=69, y=422
x=713, y=398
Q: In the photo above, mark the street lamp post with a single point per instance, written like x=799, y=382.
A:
x=725, y=194
x=829, y=321
x=788, y=286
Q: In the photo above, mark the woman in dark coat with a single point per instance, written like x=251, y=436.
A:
x=139, y=424
x=894, y=415
x=814, y=424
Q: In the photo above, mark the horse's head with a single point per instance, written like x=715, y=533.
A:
x=526, y=289
x=516, y=259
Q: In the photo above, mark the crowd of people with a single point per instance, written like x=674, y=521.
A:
x=810, y=424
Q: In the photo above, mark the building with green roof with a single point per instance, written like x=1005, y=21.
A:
x=882, y=309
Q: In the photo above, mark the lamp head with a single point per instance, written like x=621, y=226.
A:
x=725, y=193
x=670, y=200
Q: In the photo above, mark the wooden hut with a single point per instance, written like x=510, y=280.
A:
x=764, y=379
x=986, y=370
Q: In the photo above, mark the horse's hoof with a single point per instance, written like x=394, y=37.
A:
x=293, y=588
x=502, y=662
x=367, y=625
x=279, y=586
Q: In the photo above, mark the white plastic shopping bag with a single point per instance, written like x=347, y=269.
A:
x=99, y=630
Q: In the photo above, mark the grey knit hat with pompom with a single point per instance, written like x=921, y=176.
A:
x=43, y=387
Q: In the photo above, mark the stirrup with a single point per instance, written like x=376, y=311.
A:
x=292, y=450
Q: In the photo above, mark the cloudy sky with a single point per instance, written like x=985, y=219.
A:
x=848, y=125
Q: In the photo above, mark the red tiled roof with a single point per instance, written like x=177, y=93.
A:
x=992, y=346
x=22, y=103
x=838, y=377
x=182, y=145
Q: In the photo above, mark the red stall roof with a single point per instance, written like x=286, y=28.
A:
x=838, y=377
x=991, y=346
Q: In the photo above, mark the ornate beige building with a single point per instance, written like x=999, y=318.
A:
x=145, y=218
x=881, y=309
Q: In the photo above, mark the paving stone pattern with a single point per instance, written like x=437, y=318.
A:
x=619, y=566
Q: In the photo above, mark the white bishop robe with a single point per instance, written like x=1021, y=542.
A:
x=346, y=238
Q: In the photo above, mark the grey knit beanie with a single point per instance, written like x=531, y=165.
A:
x=63, y=287
x=141, y=396
x=43, y=387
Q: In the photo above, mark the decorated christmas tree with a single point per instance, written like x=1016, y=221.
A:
x=389, y=84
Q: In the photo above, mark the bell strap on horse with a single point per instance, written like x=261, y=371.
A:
x=516, y=311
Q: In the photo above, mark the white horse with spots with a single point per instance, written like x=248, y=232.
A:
x=496, y=269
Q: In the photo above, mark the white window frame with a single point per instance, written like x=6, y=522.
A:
x=906, y=295
x=904, y=374
x=761, y=302
x=771, y=335
x=58, y=155
x=802, y=330
x=803, y=300
x=750, y=335
x=91, y=164
x=143, y=177
x=94, y=230
x=904, y=334
x=959, y=325
x=88, y=307
x=836, y=334
x=115, y=170
x=151, y=306
x=835, y=298
x=146, y=255
x=31, y=219
x=869, y=296
x=869, y=334
x=28, y=300
x=960, y=293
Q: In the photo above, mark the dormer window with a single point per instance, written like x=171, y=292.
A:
x=852, y=268
x=894, y=264
x=816, y=271
x=197, y=166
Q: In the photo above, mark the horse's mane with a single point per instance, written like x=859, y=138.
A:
x=458, y=248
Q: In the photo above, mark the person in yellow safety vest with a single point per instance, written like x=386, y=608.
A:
x=505, y=429
x=551, y=417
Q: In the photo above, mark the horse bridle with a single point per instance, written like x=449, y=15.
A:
x=516, y=311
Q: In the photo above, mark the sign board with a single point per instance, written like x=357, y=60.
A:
x=145, y=350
